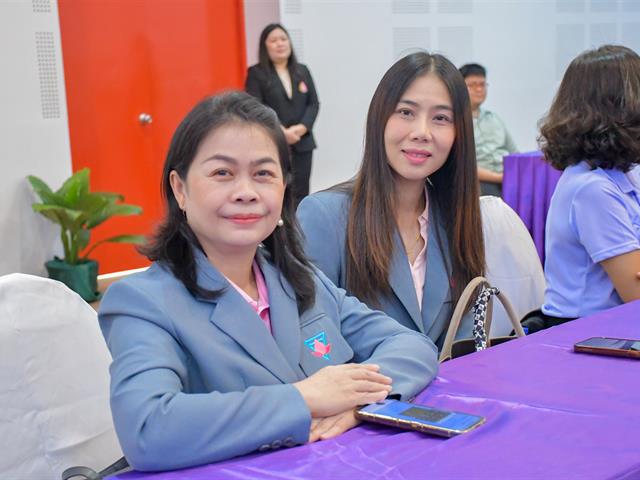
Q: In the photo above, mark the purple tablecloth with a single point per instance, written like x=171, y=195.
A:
x=551, y=414
x=527, y=187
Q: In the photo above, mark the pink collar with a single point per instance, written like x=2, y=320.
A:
x=261, y=306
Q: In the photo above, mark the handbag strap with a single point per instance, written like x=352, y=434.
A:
x=482, y=310
x=85, y=473
x=511, y=313
x=466, y=297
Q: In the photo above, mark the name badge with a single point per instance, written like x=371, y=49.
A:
x=319, y=346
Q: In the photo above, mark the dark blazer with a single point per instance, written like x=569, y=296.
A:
x=196, y=380
x=302, y=107
x=323, y=217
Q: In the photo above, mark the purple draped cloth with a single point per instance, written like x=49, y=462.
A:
x=551, y=414
x=527, y=187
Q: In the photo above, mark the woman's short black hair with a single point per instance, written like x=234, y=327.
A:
x=174, y=240
x=595, y=115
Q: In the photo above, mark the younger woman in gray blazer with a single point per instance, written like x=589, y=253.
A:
x=231, y=342
x=405, y=235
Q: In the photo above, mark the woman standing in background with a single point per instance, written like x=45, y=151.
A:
x=285, y=85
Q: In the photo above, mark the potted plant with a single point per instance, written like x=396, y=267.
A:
x=77, y=211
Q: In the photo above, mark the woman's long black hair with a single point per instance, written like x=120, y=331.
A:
x=263, y=56
x=453, y=189
x=174, y=241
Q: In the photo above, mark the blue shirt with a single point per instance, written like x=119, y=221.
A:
x=594, y=215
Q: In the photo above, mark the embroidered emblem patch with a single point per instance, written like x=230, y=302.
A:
x=318, y=345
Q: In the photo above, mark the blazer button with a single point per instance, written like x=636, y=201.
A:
x=264, y=448
x=289, y=442
x=276, y=444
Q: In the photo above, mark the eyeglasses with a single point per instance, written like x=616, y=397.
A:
x=477, y=84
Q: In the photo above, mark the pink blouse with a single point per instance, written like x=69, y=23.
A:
x=419, y=266
x=261, y=307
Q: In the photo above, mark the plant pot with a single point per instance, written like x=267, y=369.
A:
x=82, y=277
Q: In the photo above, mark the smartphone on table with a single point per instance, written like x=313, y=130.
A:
x=421, y=418
x=617, y=347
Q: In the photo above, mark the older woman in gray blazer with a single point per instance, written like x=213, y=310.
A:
x=231, y=342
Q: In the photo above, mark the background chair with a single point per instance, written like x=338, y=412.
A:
x=513, y=264
x=54, y=381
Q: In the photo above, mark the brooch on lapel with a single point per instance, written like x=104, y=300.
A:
x=302, y=87
x=318, y=345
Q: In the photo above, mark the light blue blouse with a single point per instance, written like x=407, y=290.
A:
x=594, y=215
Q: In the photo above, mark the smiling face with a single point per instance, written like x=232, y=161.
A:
x=420, y=132
x=233, y=191
x=278, y=46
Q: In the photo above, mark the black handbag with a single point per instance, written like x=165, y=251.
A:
x=85, y=473
x=537, y=320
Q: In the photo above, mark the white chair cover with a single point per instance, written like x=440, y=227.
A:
x=54, y=382
x=513, y=264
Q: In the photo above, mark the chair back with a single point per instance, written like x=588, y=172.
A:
x=513, y=264
x=54, y=381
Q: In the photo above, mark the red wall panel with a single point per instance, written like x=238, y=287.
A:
x=123, y=58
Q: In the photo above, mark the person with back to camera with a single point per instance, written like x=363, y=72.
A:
x=231, y=342
x=492, y=138
x=405, y=234
x=592, y=133
x=285, y=85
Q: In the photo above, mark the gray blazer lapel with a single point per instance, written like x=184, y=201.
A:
x=233, y=315
x=402, y=282
x=285, y=319
x=436, y=283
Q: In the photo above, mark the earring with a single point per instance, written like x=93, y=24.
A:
x=280, y=222
x=184, y=214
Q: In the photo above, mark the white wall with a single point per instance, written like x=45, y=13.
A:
x=34, y=137
x=525, y=45
x=257, y=15
x=348, y=44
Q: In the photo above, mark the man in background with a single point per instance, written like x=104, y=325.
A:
x=493, y=140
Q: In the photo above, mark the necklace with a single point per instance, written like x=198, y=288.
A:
x=415, y=248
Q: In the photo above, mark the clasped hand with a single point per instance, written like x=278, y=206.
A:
x=333, y=393
x=294, y=133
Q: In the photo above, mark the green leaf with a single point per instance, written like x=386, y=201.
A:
x=82, y=238
x=110, y=195
x=43, y=191
x=64, y=217
x=75, y=187
x=136, y=239
x=110, y=210
x=49, y=214
x=92, y=203
x=125, y=209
